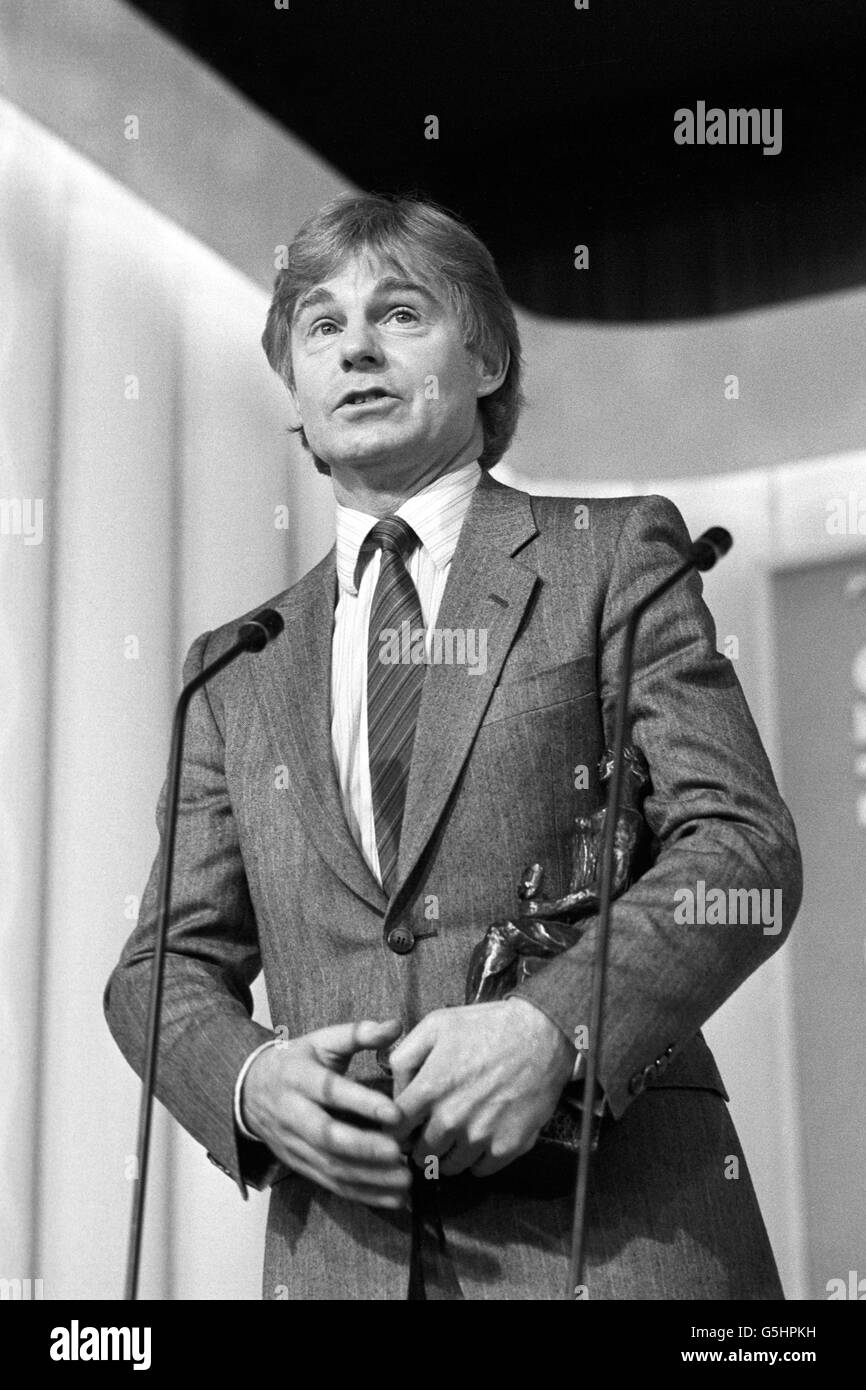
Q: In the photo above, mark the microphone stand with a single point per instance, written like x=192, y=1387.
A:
x=252, y=637
x=704, y=553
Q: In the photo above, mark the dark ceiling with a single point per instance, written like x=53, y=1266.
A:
x=556, y=128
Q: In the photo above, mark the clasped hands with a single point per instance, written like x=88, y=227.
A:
x=473, y=1087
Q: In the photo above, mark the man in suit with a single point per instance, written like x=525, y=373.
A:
x=359, y=800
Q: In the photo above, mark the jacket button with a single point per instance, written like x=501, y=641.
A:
x=637, y=1083
x=400, y=940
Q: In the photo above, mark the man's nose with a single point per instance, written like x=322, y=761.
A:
x=360, y=344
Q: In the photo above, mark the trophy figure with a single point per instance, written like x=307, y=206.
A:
x=511, y=950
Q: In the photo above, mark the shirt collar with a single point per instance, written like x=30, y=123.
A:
x=435, y=514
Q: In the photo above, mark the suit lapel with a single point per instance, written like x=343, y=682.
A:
x=293, y=678
x=487, y=590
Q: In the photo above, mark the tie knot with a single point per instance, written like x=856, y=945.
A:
x=394, y=534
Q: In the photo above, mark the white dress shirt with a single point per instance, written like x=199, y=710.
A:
x=436, y=515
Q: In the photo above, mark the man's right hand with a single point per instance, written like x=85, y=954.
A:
x=289, y=1094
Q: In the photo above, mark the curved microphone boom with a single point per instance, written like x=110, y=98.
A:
x=253, y=635
x=702, y=555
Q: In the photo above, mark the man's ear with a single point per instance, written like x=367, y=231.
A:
x=490, y=376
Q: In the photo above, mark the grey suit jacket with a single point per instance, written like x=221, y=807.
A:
x=267, y=874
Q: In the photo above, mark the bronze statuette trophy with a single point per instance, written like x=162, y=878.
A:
x=512, y=950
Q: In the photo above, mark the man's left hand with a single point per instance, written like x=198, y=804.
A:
x=475, y=1084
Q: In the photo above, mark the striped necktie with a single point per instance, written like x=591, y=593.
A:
x=394, y=682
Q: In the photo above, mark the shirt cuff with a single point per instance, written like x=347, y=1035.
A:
x=239, y=1086
x=600, y=1102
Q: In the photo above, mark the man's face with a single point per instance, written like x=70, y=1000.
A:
x=382, y=382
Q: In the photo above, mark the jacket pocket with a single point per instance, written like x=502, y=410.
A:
x=521, y=692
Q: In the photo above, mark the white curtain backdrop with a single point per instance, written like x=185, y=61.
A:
x=140, y=413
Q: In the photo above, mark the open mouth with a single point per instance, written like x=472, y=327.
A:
x=375, y=393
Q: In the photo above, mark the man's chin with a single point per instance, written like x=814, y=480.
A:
x=365, y=451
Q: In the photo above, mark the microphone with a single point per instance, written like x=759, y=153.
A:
x=702, y=554
x=252, y=637
x=264, y=627
x=709, y=548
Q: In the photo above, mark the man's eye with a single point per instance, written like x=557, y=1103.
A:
x=410, y=314
x=320, y=325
